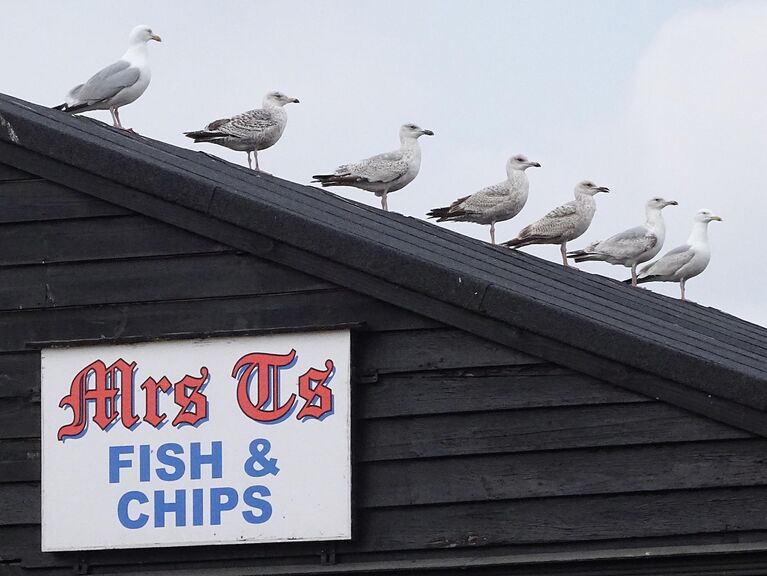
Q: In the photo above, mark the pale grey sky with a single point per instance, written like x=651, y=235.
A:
x=649, y=98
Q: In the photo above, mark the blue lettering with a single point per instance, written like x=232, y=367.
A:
x=161, y=507
x=116, y=462
x=214, y=459
x=164, y=457
x=197, y=496
x=122, y=510
x=144, y=467
x=219, y=504
x=263, y=506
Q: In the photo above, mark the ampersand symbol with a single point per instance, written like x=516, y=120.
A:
x=259, y=449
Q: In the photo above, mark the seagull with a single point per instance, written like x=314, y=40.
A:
x=383, y=173
x=118, y=84
x=686, y=261
x=250, y=131
x=492, y=204
x=633, y=246
x=563, y=223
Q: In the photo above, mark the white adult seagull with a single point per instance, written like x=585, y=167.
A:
x=492, y=204
x=563, y=223
x=382, y=173
x=633, y=246
x=685, y=261
x=118, y=84
x=250, y=131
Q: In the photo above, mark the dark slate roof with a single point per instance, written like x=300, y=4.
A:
x=507, y=296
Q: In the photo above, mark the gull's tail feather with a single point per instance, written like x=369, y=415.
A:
x=447, y=213
x=519, y=242
x=334, y=179
x=642, y=279
x=204, y=136
x=84, y=107
x=583, y=256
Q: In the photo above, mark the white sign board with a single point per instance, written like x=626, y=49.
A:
x=218, y=441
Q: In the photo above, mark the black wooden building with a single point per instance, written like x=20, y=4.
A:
x=509, y=416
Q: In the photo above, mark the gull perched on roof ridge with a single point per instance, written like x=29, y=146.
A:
x=382, y=173
x=563, y=223
x=250, y=131
x=685, y=261
x=492, y=204
x=633, y=246
x=118, y=84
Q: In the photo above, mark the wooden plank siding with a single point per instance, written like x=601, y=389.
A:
x=459, y=443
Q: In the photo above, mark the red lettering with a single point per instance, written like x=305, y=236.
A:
x=151, y=388
x=266, y=367
x=129, y=419
x=194, y=404
x=101, y=385
x=320, y=393
x=102, y=394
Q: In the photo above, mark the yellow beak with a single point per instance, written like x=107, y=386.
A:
x=716, y=218
x=156, y=37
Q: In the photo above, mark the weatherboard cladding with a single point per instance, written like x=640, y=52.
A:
x=467, y=451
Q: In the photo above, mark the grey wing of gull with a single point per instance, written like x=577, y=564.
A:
x=670, y=263
x=626, y=244
x=106, y=83
x=380, y=168
x=244, y=125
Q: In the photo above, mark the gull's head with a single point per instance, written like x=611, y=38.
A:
x=659, y=203
x=706, y=216
x=142, y=34
x=589, y=188
x=520, y=162
x=413, y=131
x=279, y=99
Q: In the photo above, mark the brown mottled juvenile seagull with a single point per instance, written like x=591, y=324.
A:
x=492, y=204
x=563, y=223
x=250, y=131
x=382, y=173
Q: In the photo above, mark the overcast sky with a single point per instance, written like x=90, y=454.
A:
x=649, y=98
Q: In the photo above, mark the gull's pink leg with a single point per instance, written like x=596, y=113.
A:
x=119, y=124
x=492, y=232
x=681, y=286
x=250, y=162
x=563, y=250
x=634, y=275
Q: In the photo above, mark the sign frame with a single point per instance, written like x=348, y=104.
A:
x=309, y=365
